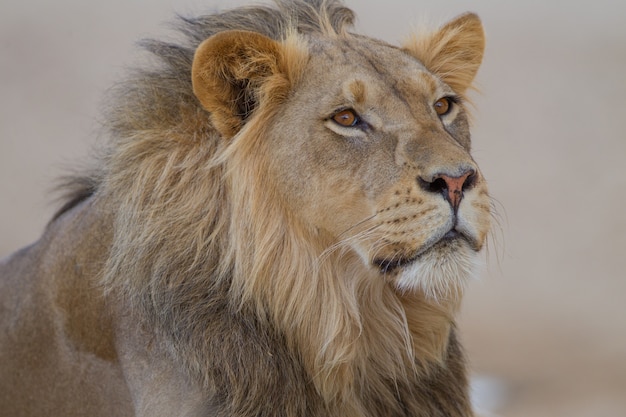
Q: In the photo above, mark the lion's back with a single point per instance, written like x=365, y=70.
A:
x=44, y=372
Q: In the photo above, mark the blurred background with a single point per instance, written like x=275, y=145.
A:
x=545, y=326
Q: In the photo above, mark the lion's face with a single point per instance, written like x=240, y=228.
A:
x=369, y=147
x=373, y=149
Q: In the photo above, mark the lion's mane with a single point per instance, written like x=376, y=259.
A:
x=207, y=253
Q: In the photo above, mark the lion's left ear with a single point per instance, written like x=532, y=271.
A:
x=233, y=71
x=454, y=52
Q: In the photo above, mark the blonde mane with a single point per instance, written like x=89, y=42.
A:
x=197, y=232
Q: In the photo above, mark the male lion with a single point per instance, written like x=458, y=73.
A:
x=281, y=225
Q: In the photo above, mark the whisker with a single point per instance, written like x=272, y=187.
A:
x=378, y=246
x=345, y=243
x=496, y=234
x=358, y=224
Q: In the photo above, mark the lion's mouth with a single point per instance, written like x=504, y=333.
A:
x=449, y=239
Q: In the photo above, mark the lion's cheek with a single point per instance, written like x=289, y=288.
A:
x=328, y=201
x=338, y=214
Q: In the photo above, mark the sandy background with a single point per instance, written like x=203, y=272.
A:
x=546, y=324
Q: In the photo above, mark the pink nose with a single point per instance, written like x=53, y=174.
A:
x=451, y=187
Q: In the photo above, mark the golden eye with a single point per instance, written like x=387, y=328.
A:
x=443, y=106
x=346, y=118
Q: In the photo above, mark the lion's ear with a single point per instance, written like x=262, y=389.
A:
x=229, y=70
x=454, y=52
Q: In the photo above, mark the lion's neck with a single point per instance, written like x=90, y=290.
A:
x=357, y=336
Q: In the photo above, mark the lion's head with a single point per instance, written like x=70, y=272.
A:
x=362, y=144
x=321, y=179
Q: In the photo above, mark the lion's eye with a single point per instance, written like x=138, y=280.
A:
x=443, y=106
x=346, y=118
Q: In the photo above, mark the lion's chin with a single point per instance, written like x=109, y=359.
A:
x=440, y=272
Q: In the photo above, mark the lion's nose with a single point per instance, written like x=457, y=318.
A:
x=451, y=187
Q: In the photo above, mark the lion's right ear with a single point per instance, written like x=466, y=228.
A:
x=234, y=72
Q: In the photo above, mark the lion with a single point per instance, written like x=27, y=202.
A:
x=282, y=223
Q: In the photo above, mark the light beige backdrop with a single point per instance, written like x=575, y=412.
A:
x=547, y=320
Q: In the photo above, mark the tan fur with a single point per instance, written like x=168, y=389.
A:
x=238, y=253
x=454, y=58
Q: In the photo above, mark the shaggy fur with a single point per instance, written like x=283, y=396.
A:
x=236, y=252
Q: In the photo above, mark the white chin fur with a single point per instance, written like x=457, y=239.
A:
x=440, y=274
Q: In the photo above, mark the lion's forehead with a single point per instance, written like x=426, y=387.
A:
x=391, y=79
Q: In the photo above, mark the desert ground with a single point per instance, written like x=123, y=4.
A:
x=545, y=325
